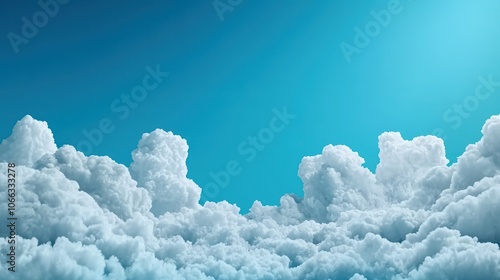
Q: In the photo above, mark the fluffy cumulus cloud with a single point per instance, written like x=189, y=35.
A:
x=88, y=217
x=159, y=166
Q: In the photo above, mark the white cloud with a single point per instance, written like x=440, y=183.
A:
x=415, y=218
x=29, y=141
x=335, y=181
x=106, y=181
x=160, y=167
x=403, y=162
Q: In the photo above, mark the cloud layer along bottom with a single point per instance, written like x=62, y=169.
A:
x=91, y=218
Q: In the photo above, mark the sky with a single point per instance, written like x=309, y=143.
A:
x=243, y=140
x=235, y=67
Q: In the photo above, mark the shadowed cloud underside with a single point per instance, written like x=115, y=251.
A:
x=414, y=218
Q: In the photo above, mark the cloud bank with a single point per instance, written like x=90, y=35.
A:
x=91, y=218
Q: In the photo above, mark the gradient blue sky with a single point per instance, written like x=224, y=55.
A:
x=227, y=76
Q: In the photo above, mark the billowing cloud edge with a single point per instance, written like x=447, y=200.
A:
x=416, y=217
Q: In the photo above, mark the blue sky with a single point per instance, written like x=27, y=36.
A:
x=226, y=77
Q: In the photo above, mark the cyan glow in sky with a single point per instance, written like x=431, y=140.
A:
x=234, y=139
x=424, y=68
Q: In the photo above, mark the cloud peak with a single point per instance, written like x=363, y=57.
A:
x=415, y=218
